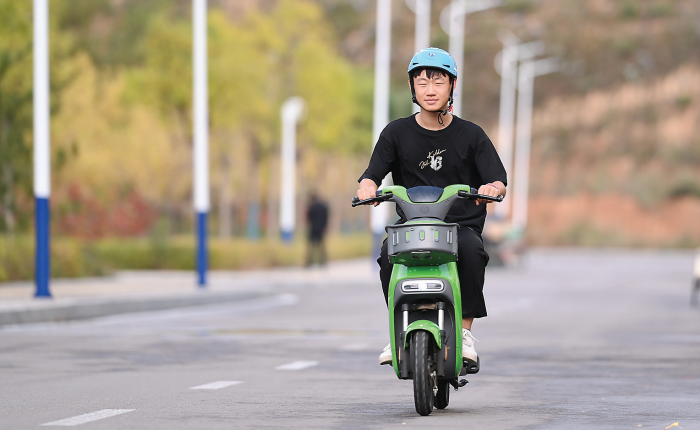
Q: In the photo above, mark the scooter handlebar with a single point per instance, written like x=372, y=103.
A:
x=475, y=195
x=379, y=198
x=472, y=195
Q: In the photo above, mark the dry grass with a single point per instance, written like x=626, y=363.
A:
x=72, y=257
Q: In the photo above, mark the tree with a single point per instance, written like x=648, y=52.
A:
x=16, y=84
x=254, y=65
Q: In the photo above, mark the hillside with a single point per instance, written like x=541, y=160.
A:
x=615, y=149
x=619, y=167
x=615, y=157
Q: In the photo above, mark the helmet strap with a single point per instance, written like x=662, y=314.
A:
x=447, y=109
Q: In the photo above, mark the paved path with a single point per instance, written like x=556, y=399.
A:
x=140, y=291
x=576, y=339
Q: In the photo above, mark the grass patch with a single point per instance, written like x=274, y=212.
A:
x=518, y=5
x=585, y=234
x=73, y=258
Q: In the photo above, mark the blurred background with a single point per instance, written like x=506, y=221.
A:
x=615, y=143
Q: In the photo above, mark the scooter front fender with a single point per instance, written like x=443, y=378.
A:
x=426, y=325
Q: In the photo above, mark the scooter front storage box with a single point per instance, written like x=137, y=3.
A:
x=422, y=244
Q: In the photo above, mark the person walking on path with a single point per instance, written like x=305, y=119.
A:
x=317, y=219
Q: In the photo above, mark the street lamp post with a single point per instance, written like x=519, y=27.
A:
x=452, y=20
x=292, y=111
x=422, y=34
x=506, y=64
x=200, y=121
x=42, y=148
x=382, y=66
x=526, y=80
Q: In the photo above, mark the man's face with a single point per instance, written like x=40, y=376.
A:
x=433, y=94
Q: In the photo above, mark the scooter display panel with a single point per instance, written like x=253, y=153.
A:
x=422, y=244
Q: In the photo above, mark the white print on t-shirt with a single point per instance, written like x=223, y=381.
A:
x=433, y=160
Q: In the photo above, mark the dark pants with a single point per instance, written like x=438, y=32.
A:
x=471, y=266
x=316, y=251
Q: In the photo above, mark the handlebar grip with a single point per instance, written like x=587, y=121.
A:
x=381, y=198
x=357, y=199
x=475, y=195
x=358, y=202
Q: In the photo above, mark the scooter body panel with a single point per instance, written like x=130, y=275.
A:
x=426, y=319
x=426, y=325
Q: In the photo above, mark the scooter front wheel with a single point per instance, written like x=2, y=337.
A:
x=442, y=398
x=422, y=381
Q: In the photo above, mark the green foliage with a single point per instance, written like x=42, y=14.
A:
x=108, y=31
x=16, y=114
x=628, y=10
x=518, y=5
x=165, y=79
x=15, y=106
x=684, y=101
x=255, y=65
x=687, y=187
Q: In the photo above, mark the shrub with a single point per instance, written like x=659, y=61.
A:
x=74, y=257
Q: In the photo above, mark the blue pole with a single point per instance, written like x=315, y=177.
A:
x=43, y=261
x=202, y=253
x=200, y=121
x=42, y=149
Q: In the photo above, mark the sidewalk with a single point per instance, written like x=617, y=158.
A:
x=140, y=291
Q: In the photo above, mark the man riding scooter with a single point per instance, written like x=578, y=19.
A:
x=436, y=148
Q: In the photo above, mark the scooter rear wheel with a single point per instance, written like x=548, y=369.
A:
x=442, y=398
x=422, y=382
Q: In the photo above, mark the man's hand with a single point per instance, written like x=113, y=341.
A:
x=368, y=189
x=494, y=189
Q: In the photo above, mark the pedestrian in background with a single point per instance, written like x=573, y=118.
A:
x=317, y=219
x=696, y=279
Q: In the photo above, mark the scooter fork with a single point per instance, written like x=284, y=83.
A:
x=403, y=355
x=441, y=355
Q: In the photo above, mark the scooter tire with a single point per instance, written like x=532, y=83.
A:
x=442, y=398
x=422, y=382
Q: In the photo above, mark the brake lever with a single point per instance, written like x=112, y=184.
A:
x=380, y=198
x=474, y=195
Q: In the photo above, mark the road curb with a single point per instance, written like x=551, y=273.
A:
x=77, y=309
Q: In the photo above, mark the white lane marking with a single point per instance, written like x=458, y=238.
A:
x=86, y=418
x=297, y=365
x=216, y=385
x=354, y=347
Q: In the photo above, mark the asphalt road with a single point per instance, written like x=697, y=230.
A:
x=575, y=339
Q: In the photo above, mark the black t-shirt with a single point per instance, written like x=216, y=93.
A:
x=461, y=153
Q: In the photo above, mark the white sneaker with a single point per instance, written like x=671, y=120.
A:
x=468, y=351
x=385, y=357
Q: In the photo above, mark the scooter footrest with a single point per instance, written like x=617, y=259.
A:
x=457, y=384
x=472, y=367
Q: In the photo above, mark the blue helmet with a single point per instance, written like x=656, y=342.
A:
x=434, y=58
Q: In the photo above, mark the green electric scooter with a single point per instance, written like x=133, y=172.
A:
x=425, y=306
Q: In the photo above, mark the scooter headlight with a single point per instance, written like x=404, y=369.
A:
x=423, y=286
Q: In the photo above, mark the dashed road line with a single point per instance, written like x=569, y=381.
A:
x=86, y=418
x=297, y=365
x=216, y=385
